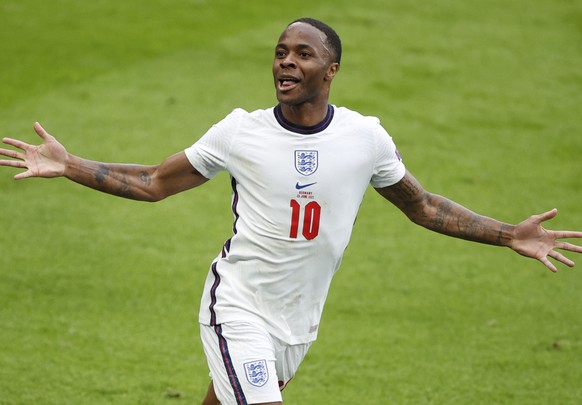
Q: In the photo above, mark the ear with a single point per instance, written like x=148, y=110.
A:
x=332, y=71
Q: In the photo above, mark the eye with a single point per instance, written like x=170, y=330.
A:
x=280, y=53
x=304, y=54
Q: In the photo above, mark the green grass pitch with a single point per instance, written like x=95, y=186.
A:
x=99, y=296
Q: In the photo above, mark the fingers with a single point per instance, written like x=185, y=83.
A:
x=10, y=153
x=545, y=216
x=569, y=246
x=567, y=234
x=548, y=264
x=561, y=258
x=40, y=130
x=15, y=163
x=23, y=145
x=19, y=164
x=14, y=142
x=12, y=163
x=23, y=175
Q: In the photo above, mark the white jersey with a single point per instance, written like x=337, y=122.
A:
x=296, y=192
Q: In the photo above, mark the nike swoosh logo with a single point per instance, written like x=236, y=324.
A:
x=301, y=186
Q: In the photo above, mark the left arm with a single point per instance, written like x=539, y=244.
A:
x=442, y=215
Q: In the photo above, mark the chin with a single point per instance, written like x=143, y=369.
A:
x=282, y=99
x=289, y=100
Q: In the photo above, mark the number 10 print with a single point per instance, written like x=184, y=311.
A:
x=311, y=214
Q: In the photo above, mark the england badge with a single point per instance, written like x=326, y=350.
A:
x=306, y=161
x=257, y=372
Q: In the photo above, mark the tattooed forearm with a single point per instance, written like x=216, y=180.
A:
x=123, y=180
x=449, y=218
x=439, y=220
x=101, y=173
x=469, y=225
x=139, y=182
x=125, y=186
x=145, y=178
x=444, y=216
x=118, y=180
x=503, y=237
x=441, y=215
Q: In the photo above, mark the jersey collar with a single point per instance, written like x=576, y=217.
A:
x=288, y=125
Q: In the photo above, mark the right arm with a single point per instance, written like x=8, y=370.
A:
x=439, y=214
x=138, y=182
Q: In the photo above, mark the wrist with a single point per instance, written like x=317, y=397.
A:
x=506, y=235
x=70, y=164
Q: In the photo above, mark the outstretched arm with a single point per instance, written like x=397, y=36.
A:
x=138, y=182
x=439, y=214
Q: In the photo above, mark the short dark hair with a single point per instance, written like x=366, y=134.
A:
x=333, y=39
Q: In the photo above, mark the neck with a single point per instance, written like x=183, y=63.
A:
x=305, y=115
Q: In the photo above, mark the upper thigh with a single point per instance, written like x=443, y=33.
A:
x=211, y=398
x=289, y=357
x=241, y=358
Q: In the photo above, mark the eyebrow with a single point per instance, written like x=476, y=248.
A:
x=299, y=46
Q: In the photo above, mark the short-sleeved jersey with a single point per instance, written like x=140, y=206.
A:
x=295, y=195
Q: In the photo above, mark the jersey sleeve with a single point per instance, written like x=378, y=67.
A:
x=209, y=155
x=389, y=168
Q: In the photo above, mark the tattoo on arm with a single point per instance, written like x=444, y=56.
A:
x=133, y=181
x=145, y=178
x=442, y=215
x=502, y=237
x=119, y=179
x=470, y=225
x=101, y=173
x=407, y=190
x=454, y=220
x=404, y=194
x=125, y=186
x=451, y=219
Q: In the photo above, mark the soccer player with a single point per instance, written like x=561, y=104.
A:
x=299, y=171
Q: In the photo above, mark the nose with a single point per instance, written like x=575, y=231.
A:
x=288, y=62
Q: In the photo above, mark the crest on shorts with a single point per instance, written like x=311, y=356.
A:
x=257, y=373
x=306, y=161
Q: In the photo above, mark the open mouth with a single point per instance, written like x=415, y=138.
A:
x=287, y=83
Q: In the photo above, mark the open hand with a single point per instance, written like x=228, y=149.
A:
x=45, y=160
x=532, y=240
